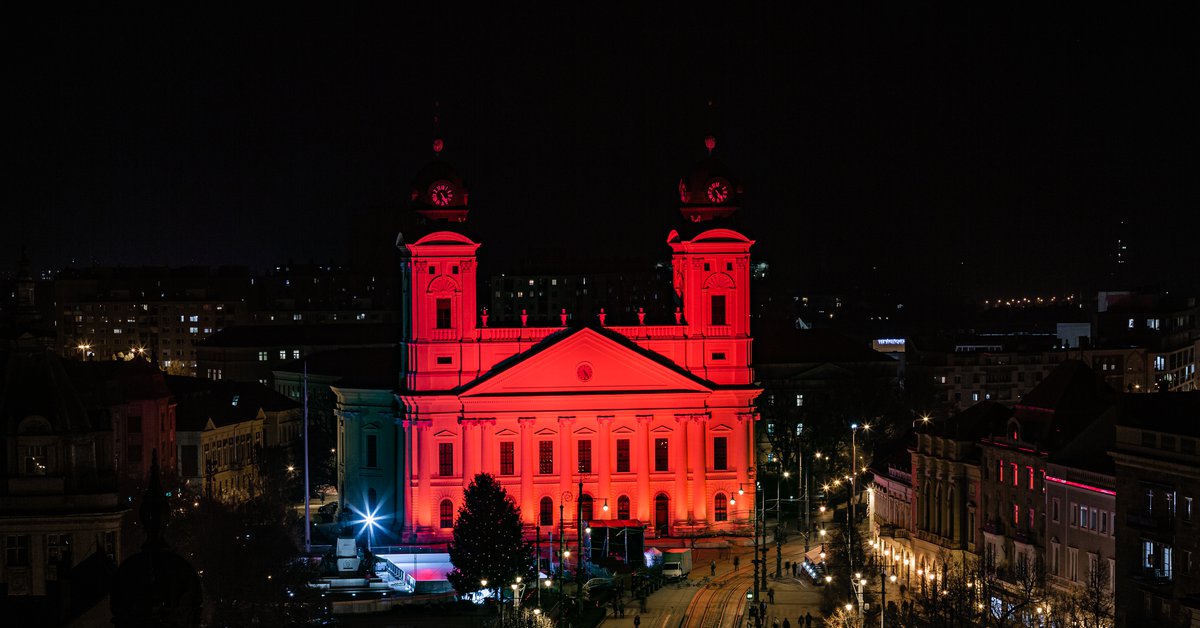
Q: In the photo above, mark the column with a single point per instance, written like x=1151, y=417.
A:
x=470, y=453
x=680, y=458
x=741, y=451
x=487, y=448
x=427, y=460
x=528, y=467
x=405, y=476
x=566, y=472
x=644, y=503
x=604, y=469
x=697, y=450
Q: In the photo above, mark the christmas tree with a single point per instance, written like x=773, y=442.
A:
x=488, y=543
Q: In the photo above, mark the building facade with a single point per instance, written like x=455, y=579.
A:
x=653, y=421
x=1157, y=525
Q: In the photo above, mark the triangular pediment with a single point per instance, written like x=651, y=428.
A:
x=545, y=431
x=624, y=429
x=506, y=432
x=720, y=428
x=586, y=361
x=662, y=429
x=445, y=433
x=585, y=431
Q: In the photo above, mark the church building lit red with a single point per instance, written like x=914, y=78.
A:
x=656, y=419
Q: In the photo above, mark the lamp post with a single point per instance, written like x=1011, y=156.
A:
x=883, y=580
x=853, y=486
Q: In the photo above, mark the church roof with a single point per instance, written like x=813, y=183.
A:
x=654, y=373
x=36, y=383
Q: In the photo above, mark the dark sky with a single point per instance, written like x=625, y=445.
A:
x=987, y=152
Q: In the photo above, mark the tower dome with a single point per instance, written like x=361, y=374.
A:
x=438, y=191
x=710, y=189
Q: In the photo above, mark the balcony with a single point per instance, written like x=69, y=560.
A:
x=1141, y=520
x=1152, y=576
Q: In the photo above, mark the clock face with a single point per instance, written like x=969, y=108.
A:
x=718, y=191
x=441, y=195
x=583, y=372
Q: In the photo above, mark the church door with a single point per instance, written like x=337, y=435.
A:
x=661, y=510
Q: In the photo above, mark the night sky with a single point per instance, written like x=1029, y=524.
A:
x=983, y=153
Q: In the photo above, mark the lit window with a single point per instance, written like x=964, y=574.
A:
x=1131, y=323
x=193, y=319
x=446, y=514
x=295, y=354
x=661, y=454
x=193, y=330
x=720, y=507
x=546, y=511
x=507, y=466
x=1152, y=323
x=446, y=459
x=262, y=356
x=546, y=457
x=799, y=400
x=283, y=354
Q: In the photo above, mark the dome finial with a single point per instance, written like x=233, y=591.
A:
x=710, y=143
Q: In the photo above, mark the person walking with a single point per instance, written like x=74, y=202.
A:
x=808, y=620
x=771, y=594
x=637, y=620
x=736, y=560
x=712, y=568
x=786, y=623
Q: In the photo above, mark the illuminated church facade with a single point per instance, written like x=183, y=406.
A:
x=655, y=419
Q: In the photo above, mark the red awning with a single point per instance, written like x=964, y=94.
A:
x=618, y=523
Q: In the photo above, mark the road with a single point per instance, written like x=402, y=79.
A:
x=721, y=603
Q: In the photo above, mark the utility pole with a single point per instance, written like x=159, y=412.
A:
x=307, y=495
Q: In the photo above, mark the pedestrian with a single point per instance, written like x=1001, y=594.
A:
x=736, y=560
x=771, y=594
x=637, y=621
x=786, y=623
x=762, y=608
x=775, y=623
x=795, y=569
x=712, y=568
x=787, y=566
x=808, y=620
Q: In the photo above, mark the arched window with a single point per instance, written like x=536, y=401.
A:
x=446, y=512
x=623, y=508
x=585, y=508
x=546, y=511
x=720, y=507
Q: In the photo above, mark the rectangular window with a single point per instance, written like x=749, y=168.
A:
x=1030, y=469
x=1095, y=519
x=446, y=459
x=443, y=314
x=661, y=455
x=58, y=549
x=283, y=354
x=262, y=356
x=1016, y=478
x=1073, y=563
x=1000, y=471
x=1031, y=519
x=16, y=550
x=295, y=354
x=584, y=451
x=720, y=453
x=1083, y=517
x=546, y=457
x=1104, y=522
x=1054, y=510
x=799, y=400
x=622, y=455
x=506, y=458
x=372, y=450
x=1187, y=508
x=718, y=309
x=445, y=359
